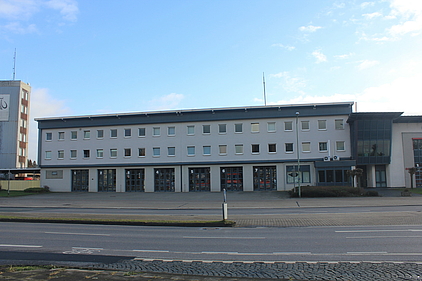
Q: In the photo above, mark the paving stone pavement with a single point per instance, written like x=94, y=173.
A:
x=344, y=271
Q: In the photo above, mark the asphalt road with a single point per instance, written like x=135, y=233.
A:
x=363, y=243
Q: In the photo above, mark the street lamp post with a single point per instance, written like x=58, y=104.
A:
x=298, y=154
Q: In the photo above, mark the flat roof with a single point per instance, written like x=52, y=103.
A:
x=195, y=115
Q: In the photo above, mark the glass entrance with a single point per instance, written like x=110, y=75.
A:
x=265, y=178
x=80, y=180
x=107, y=180
x=135, y=180
x=199, y=179
x=380, y=176
x=164, y=179
x=231, y=178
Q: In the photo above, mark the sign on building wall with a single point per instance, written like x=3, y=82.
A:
x=4, y=107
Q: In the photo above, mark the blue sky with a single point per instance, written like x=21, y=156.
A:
x=107, y=56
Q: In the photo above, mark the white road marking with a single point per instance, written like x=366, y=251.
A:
x=72, y=233
x=20, y=246
x=212, y=237
x=377, y=237
x=367, y=253
x=152, y=251
x=376, y=230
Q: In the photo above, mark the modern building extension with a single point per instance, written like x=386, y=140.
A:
x=260, y=148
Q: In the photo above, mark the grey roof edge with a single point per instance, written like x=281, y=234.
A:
x=181, y=111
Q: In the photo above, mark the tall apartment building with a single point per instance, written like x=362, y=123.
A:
x=237, y=149
x=14, y=121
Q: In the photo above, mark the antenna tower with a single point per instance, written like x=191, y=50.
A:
x=263, y=82
x=14, y=65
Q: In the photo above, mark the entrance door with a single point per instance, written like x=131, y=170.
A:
x=107, y=180
x=164, y=179
x=80, y=180
x=265, y=178
x=135, y=180
x=199, y=179
x=380, y=176
x=231, y=178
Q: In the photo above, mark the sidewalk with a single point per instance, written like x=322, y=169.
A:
x=202, y=200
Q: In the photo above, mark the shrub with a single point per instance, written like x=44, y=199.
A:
x=332, y=191
x=36, y=189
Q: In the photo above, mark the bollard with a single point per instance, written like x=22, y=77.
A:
x=224, y=205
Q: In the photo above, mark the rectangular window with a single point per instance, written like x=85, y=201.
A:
x=128, y=152
x=74, y=135
x=113, y=152
x=323, y=146
x=113, y=133
x=339, y=123
x=171, y=151
x=206, y=150
x=222, y=128
x=100, y=134
x=48, y=155
x=255, y=127
x=61, y=135
x=255, y=148
x=272, y=148
x=206, y=129
x=100, y=153
x=60, y=154
x=141, y=132
x=238, y=148
x=222, y=149
x=238, y=128
x=141, y=152
x=191, y=150
x=304, y=174
x=86, y=153
x=73, y=153
x=191, y=130
x=48, y=136
x=156, y=152
x=289, y=147
x=306, y=146
x=156, y=131
x=171, y=131
x=340, y=146
x=305, y=125
x=271, y=127
x=288, y=126
x=87, y=134
x=128, y=133
x=322, y=124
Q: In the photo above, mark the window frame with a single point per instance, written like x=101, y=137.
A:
x=206, y=131
x=208, y=147
x=238, y=149
x=255, y=127
x=320, y=122
x=269, y=129
x=286, y=129
x=287, y=145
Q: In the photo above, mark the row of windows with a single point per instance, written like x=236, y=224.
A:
x=191, y=150
x=206, y=129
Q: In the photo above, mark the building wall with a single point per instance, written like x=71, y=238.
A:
x=272, y=130
x=402, y=152
x=14, y=122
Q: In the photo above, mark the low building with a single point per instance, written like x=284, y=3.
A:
x=261, y=148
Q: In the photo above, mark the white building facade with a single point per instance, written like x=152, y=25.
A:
x=237, y=149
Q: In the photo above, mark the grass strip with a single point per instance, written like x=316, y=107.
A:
x=221, y=223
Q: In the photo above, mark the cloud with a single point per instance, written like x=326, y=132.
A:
x=372, y=15
x=344, y=56
x=18, y=11
x=68, y=8
x=169, y=101
x=17, y=27
x=309, y=28
x=320, y=57
x=42, y=105
x=366, y=4
x=400, y=95
x=364, y=64
x=288, y=48
x=291, y=83
x=410, y=13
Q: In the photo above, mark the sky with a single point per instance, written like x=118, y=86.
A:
x=107, y=56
